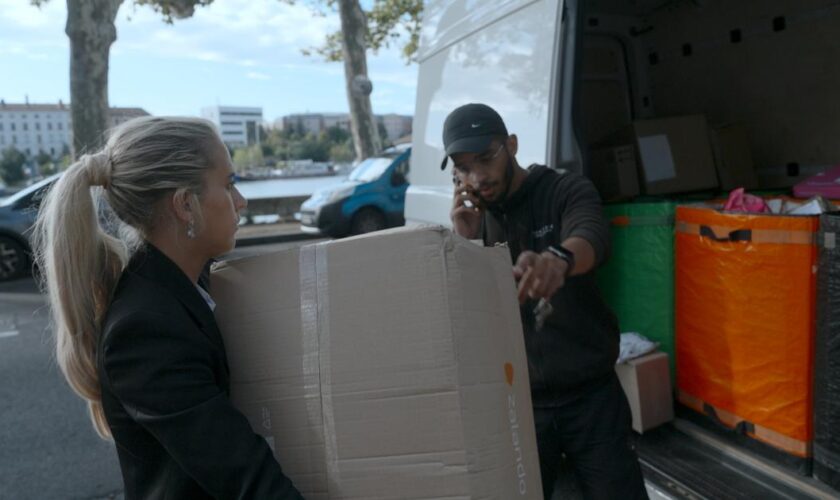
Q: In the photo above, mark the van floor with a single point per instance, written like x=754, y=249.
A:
x=683, y=460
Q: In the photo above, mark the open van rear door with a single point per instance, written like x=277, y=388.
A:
x=504, y=54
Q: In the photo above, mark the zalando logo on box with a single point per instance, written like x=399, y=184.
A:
x=514, y=431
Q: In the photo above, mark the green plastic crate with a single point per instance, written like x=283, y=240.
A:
x=637, y=280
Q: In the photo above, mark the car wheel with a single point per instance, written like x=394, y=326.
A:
x=13, y=259
x=368, y=220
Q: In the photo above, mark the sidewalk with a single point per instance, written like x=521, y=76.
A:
x=260, y=234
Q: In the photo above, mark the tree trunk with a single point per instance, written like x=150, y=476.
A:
x=91, y=29
x=353, y=44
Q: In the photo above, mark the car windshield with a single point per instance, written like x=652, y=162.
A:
x=370, y=169
x=11, y=200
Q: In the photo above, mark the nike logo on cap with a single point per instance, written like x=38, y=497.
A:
x=475, y=125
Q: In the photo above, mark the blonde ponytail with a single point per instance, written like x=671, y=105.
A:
x=79, y=264
x=79, y=261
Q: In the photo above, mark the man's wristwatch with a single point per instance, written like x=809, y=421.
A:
x=565, y=254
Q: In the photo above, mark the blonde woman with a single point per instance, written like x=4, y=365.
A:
x=135, y=334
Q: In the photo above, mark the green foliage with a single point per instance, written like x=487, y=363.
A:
x=45, y=163
x=389, y=23
x=395, y=22
x=169, y=9
x=65, y=162
x=43, y=158
x=333, y=144
x=337, y=135
x=11, y=166
x=251, y=156
x=48, y=169
x=342, y=153
x=174, y=9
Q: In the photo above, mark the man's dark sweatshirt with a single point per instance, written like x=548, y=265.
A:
x=577, y=347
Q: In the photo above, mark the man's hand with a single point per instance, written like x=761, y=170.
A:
x=539, y=275
x=466, y=212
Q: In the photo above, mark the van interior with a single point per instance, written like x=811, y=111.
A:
x=762, y=65
x=765, y=67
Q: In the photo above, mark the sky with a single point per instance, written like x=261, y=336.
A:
x=233, y=52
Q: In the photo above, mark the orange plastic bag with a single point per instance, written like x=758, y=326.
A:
x=745, y=311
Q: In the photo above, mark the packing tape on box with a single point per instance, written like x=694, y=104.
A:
x=747, y=235
x=642, y=220
x=742, y=426
x=315, y=322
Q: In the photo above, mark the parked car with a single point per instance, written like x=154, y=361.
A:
x=17, y=215
x=372, y=198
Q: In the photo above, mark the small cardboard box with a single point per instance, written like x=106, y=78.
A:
x=614, y=172
x=674, y=155
x=390, y=365
x=647, y=383
x=733, y=157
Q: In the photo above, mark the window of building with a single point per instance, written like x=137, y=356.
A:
x=1, y=127
x=13, y=126
x=49, y=126
x=14, y=139
x=52, y=151
x=29, y=151
x=238, y=113
x=39, y=138
x=59, y=125
x=25, y=126
x=37, y=126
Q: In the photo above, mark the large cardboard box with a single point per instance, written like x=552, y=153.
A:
x=674, y=154
x=389, y=365
x=614, y=172
x=647, y=385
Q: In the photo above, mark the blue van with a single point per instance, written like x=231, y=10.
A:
x=370, y=199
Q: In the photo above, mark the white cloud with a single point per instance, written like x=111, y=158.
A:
x=268, y=20
x=248, y=33
x=21, y=50
x=26, y=15
x=404, y=78
x=257, y=40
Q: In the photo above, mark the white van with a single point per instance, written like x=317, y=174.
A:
x=565, y=74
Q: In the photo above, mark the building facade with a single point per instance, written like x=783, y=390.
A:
x=46, y=128
x=396, y=126
x=239, y=126
x=121, y=115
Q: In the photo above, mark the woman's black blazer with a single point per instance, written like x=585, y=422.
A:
x=165, y=392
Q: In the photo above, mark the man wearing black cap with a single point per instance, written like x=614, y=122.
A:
x=553, y=225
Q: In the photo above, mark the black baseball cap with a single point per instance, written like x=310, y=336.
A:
x=470, y=129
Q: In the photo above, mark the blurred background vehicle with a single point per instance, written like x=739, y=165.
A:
x=370, y=199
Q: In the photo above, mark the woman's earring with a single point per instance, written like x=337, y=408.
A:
x=191, y=229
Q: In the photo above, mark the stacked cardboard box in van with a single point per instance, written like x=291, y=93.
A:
x=672, y=155
x=390, y=365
